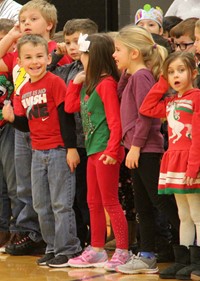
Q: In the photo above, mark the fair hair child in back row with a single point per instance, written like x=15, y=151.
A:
x=140, y=59
x=94, y=93
x=37, y=16
x=53, y=185
x=180, y=166
x=67, y=72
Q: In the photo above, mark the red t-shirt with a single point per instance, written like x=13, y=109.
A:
x=39, y=102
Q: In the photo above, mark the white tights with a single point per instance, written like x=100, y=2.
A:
x=189, y=214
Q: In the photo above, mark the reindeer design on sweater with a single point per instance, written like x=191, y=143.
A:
x=177, y=127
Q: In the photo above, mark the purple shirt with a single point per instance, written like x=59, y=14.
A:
x=138, y=130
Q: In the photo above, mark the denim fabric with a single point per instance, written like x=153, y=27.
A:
x=27, y=219
x=53, y=187
x=8, y=187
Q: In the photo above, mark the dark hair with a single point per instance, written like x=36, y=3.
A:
x=169, y=22
x=34, y=39
x=80, y=25
x=159, y=39
x=100, y=60
x=186, y=57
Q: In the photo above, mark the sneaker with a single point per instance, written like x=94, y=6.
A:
x=138, y=264
x=43, y=260
x=120, y=257
x=89, y=258
x=58, y=261
x=23, y=245
x=4, y=237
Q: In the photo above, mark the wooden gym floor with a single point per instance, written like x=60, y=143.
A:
x=24, y=268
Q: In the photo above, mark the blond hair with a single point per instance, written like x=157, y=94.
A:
x=47, y=10
x=136, y=37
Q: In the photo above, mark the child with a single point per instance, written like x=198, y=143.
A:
x=8, y=189
x=168, y=23
x=179, y=171
x=150, y=18
x=141, y=58
x=99, y=106
x=182, y=35
x=67, y=72
x=53, y=185
x=35, y=17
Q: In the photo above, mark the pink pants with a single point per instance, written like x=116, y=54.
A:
x=102, y=182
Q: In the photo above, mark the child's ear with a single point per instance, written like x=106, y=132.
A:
x=194, y=74
x=49, y=26
x=134, y=53
x=49, y=59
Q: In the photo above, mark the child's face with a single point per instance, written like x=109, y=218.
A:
x=197, y=40
x=72, y=45
x=121, y=56
x=32, y=22
x=34, y=59
x=151, y=26
x=84, y=60
x=179, y=77
x=184, y=43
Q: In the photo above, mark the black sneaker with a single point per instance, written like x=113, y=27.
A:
x=58, y=261
x=23, y=245
x=43, y=260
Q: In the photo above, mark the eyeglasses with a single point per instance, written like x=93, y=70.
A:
x=182, y=46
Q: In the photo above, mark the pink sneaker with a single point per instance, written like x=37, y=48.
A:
x=89, y=258
x=120, y=257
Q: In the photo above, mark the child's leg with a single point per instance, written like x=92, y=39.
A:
x=194, y=205
x=108, y=180
x=187, y=228
x=97, y=214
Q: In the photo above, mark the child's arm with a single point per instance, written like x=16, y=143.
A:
x=193, y=166
x=72, y=98
x=68, y=131
x=152, y=105
x=122, y=83
x=6, y=42
x=19, y=122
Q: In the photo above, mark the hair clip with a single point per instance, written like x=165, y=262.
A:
x=83, y=43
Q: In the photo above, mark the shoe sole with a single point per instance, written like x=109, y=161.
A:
x=58, y=265
x=100, y=264
x=139, y=271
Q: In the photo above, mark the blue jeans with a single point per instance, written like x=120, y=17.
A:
x=53, y=187
x=8, y=186
x=27, y=220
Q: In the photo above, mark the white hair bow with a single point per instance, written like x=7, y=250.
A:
x=83, y=43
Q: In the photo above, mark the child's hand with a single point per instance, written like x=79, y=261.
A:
x=107, y=160
x=80, y=78
x=8, y=113
x=73, y=158
x=61, y=49
x=188, y=180
x=132, y=158
x=15, y=32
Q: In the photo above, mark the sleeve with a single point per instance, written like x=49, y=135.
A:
x=152, y=105
x=54, y=62
x=21, y=123
x=67, y=127
x=72, y=98
x=172, y=11
x=107, y=91
x=193, y=167
x=8, y=60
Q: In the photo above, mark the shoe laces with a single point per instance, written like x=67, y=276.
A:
x=21, y=239
x=119, y=255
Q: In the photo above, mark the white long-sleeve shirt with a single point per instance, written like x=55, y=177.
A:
x=184, y=9
x=9, y=9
